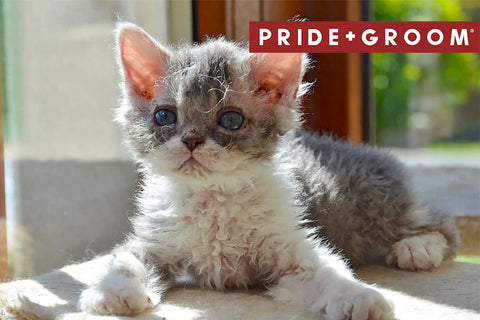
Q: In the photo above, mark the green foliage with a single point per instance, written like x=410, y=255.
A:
x=457, y=149
x=396, y=75
x=468, y=259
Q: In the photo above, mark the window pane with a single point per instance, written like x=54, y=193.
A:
x=428, y=108
x=70, y=183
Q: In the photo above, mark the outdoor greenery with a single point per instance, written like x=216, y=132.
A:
x=438, y=85
x=459, y=147
x=468, y=259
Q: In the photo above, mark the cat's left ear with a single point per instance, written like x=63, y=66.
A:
x=143, y=60
x=276, y=74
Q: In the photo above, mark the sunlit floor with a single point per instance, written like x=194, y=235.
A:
x=449, y=292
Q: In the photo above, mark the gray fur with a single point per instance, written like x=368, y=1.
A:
x=358, y=197
x=201, y=81
x=250, y=205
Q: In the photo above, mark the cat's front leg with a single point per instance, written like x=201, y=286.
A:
x=329, y=290
x=128, y=288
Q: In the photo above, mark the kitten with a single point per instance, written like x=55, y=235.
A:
x=237, y=195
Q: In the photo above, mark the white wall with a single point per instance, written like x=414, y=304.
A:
x=70, y=184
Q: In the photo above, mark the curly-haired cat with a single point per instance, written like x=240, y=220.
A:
x=237, y=195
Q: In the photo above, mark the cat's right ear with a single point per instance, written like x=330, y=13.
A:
x=143, y=61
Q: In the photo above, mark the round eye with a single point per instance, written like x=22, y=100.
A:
x=165, y=117
x=231, y=120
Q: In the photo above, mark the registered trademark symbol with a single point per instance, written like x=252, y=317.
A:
x=472, y=31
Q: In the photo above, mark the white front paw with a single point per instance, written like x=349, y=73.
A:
x=372, y=305
x=124, y=297
x=362, y=303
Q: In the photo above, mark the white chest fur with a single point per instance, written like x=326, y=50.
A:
x=226, y=237
x=220, y=236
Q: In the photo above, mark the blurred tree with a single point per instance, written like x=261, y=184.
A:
x=398, y=76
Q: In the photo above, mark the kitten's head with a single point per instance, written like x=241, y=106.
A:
x=204, y=110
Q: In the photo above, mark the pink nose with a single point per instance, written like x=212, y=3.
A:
x=192, y=142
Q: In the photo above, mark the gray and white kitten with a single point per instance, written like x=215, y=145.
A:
x=237, y=195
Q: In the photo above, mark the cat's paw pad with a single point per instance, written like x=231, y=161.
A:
x=125, y=298
x=421, y=252
x=364, y=304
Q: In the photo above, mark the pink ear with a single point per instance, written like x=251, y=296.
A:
x=144, y=61
x=277, y=74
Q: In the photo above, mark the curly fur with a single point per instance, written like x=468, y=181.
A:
x=360, y=197
x=256, y=206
